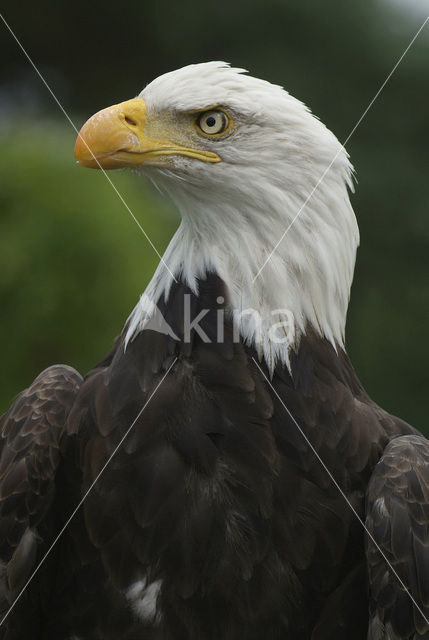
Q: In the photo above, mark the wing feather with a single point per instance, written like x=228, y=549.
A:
x=398, y=520
x=31, y=447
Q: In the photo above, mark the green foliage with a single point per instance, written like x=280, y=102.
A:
x=73, y=262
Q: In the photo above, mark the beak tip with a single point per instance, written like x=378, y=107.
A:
x=82, y=153
x=104, y=138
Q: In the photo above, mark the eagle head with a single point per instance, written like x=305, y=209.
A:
x=261, y=184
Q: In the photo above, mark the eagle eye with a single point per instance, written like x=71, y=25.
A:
x=213, y=123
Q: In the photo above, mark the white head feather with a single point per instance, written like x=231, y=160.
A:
x=234, y=212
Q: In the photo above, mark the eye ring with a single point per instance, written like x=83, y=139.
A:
x=213, y=123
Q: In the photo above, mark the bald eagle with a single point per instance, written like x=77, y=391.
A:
x=221, y=473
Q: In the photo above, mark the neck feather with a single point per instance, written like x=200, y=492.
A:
x=305, y=283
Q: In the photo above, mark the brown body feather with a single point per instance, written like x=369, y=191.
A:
x=215, y=496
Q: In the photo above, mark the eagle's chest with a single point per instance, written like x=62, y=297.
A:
x=214, y=503
x=245, y=552
x=217, y=499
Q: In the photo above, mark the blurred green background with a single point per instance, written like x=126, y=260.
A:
x=73, y=262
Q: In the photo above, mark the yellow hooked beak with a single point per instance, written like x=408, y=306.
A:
x=123, y=136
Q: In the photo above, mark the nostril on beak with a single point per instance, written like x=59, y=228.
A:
x=130, y=121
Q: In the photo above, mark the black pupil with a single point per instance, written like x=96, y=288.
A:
x=211, y=121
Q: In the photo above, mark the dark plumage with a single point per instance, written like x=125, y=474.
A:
x=214, y=492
